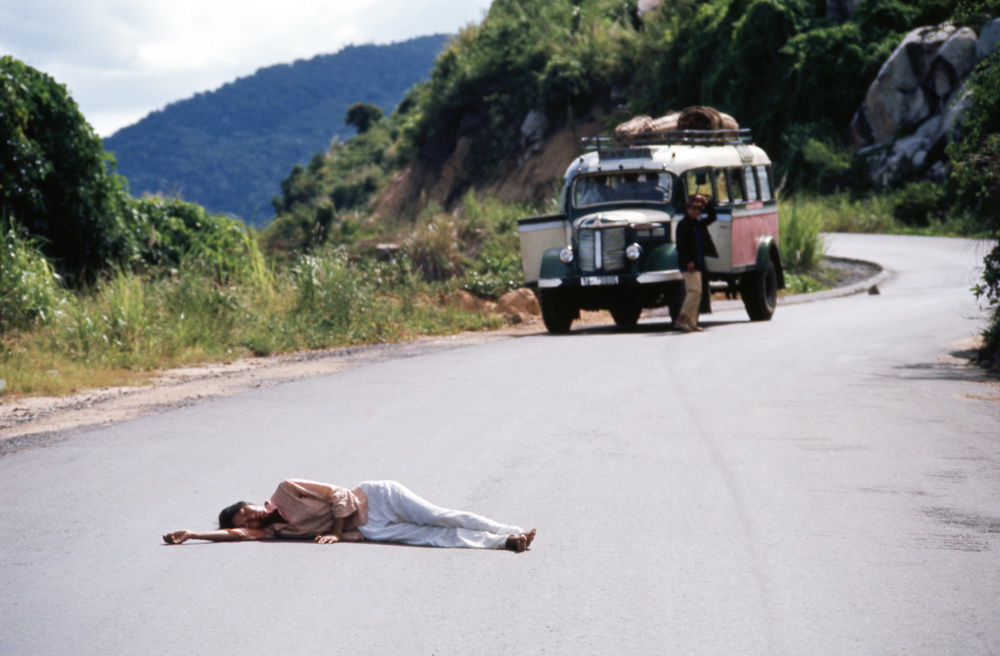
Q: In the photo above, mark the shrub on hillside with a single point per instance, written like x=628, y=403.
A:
x=173, y=233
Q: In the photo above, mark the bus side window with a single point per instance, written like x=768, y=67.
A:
x=751, y=184
x=735, y=185
x=766, y=193
x=698, y=181
x=721, y=186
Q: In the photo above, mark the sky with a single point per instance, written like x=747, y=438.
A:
x=122, y=59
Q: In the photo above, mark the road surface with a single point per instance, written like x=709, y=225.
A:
x=824, y=483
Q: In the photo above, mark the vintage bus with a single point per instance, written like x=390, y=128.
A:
x=612, y=245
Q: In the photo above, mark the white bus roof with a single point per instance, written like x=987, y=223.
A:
x=677, y=156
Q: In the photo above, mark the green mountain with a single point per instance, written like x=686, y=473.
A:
x=229, y=149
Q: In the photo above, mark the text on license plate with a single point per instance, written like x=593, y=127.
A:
x=587, y=281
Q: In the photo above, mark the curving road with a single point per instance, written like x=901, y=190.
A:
x=825, y=483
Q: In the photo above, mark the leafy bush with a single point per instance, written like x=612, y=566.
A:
x=975, y=183
x=816, y=163
x=919, y=204
x=172, y=233
x=30, y=289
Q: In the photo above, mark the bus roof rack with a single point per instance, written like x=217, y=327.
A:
x=668, y=138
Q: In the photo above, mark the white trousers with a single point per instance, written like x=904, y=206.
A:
x=395, y=514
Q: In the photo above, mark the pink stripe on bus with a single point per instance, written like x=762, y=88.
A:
x=747, y=231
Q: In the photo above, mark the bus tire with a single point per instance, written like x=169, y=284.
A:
x=760, y=292
x=557, y=313
x=626, y=316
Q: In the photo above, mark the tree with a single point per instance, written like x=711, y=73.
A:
x=56, y=180
x=361, y=116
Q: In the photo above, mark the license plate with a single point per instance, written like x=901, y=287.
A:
x=588, y=281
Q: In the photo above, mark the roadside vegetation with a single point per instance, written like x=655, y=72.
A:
x=98, y=287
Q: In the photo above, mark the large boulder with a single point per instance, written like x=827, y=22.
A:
x=533, y=131
x=989, y=38
x=951, y=65
x=898, y=99
x=916, y=103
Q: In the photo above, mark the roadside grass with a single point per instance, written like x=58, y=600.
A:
x=129, y=325
x=842, y=213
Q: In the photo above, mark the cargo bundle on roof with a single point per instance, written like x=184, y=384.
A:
x=695, y=122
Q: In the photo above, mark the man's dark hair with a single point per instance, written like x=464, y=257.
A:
x=226, y=516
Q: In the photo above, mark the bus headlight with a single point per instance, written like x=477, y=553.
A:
x=566, y=255
x=633, y=252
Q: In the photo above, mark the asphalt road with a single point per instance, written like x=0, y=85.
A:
x=824, y=483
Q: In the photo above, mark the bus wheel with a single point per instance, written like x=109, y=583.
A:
x=760, y=293
x=557, y=313
x=626, y=316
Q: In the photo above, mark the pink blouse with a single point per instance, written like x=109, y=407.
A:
x=310, y=508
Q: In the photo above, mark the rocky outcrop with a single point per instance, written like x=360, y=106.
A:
x=914, y=107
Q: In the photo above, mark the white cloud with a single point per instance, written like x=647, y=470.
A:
x=121, y=59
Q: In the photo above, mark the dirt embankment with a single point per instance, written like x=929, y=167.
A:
x=530, y=179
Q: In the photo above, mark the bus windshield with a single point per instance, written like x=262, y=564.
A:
x=622, y=187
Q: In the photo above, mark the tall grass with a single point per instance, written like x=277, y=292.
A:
x=843, y=213
x=30, y=289
x=802, y=247
x=128, y=325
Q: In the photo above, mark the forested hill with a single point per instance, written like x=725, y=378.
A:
x=229, y=149
x=534, y=76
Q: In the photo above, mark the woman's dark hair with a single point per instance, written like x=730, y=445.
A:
x=226, y=516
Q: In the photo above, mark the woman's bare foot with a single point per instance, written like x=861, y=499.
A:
x=530, y=536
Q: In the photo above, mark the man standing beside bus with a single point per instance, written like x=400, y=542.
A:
x=694, y=244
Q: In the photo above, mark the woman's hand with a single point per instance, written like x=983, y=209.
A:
x=326, y=539
x=177, y=537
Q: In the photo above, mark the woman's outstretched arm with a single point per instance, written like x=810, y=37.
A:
x=224, y=535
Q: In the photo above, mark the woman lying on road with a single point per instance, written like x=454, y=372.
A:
x=380, y=511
